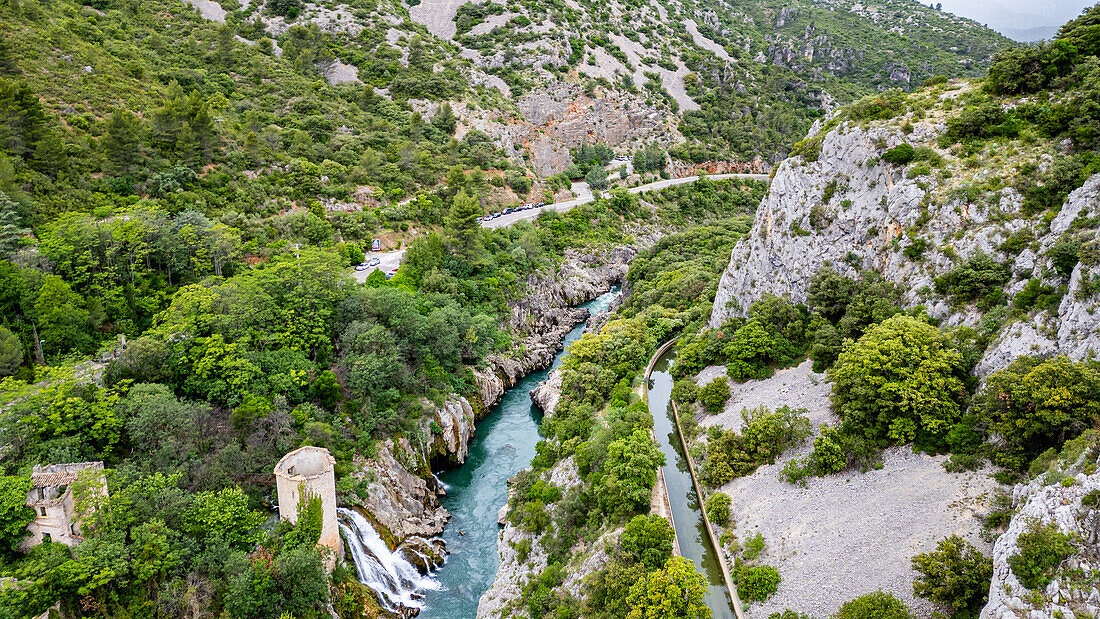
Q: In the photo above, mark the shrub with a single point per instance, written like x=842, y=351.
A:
x=754, y=547
x=877, y=605
x=763, y=437
x=685, y=391
x=979, y=279
x=648, y=540
x=758, y=583
x=1036, y=294
x=881, y=106
x=1042, y=549
x=901, y=382
x=955, y=574
x=714, y=394
x=1064, y=255
x=718, y=508
x=901, y=154
x=1035, y=405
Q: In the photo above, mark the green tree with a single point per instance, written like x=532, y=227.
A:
x=123, y=140
x=955, y=573
x=463, y=224
x=63, y=322
x=14, y=513
x=11, y=352
x=225, y=514
x=12, y=230
x=877, y=605
x=901, y=382
x=718, y=508
x=1036, y=404
x=631, y=466
x=648, y=540
x=714, y=394
x=596, y=177
x=677, y=591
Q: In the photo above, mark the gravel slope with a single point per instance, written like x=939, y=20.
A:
x=848, y=534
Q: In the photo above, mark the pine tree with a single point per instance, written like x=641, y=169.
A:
x=11, y=228
x=463, y=223
x=122, y=143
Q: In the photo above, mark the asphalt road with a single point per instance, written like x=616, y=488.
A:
x=584, y=196
x=388, y=260
x=392, y=259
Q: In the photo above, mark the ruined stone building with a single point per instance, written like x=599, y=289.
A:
x=310, y=471
x=54, y=504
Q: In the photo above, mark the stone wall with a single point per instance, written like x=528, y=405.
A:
x=310, y=472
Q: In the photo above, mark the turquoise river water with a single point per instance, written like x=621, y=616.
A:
x=504, y=445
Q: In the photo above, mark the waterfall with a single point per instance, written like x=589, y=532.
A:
x=396, y=581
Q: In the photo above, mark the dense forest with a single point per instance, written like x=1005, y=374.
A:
x=181, y=206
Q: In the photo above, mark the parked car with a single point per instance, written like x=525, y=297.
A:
x=361, y=267
x=540, y=205
x=374, y=262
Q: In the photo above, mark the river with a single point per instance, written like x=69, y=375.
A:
x=686, y=515
x=504, y=445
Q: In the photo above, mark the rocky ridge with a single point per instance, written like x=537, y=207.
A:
x=851, y=209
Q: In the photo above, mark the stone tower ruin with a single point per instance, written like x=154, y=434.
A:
x=310, y=471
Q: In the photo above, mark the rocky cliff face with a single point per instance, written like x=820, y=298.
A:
x=404, y=504
x=544, y=317
x=1068, y=594
x=855, y=211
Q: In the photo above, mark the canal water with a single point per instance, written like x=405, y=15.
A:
x=686, y=511
x=504, y=445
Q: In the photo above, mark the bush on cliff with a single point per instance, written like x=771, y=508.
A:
x=1043, y=547
x=1034, y=405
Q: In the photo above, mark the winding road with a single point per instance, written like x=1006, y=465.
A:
x=391, y=259
x=582, y=198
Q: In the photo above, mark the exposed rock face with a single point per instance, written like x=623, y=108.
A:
x=398, y=500
x=456, y=418
x=547, y=394
x=873, y=214
x=1046, y=504
x=548, y=314
x=560, y=115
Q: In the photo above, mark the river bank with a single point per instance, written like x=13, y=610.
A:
x=404, y=504
x=476, y=491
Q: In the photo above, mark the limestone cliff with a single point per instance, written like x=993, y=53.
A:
x=1073, y=591
x=852, y=209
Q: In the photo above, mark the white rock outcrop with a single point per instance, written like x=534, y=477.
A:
x=872, y=212
x=1061, y=505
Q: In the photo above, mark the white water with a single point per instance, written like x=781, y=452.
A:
x=396, y=581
